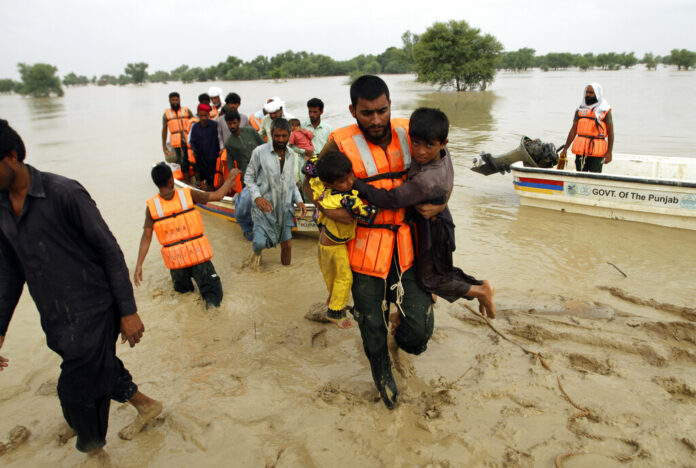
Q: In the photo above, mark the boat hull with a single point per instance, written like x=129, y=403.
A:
x=667, y=202
x=225, y=209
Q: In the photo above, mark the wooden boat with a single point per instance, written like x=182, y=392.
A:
x=646, y=189
x=225, y=209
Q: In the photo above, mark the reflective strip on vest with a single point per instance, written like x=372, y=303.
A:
x=182, y=199
x=158, y=207
x=365, y=155
x=405, y=147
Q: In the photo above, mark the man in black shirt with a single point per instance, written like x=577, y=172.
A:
x=53, y=237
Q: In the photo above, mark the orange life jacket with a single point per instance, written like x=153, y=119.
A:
x=178, y=125
x=214, y=112
x=179, y=228
x=592, y=134
x=370, y=251
x=222, y=171
x=255, y=122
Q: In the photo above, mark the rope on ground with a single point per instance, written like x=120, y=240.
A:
x=687, y=313
x=583, y=413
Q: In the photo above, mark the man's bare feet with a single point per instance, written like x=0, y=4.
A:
x=252, y=262
x=147, y=410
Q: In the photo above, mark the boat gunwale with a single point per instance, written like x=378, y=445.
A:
x=599, y=176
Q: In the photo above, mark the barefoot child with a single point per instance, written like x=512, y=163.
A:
x=430, y=180
x=331, y=189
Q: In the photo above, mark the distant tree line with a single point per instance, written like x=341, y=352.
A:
x=525, y=59
x=451, y=54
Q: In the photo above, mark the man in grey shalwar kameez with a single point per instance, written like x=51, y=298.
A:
x=270, y=178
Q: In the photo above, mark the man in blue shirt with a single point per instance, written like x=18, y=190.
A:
x=206, y=148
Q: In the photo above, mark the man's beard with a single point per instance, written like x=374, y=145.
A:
x=374, y=139
x=279, y=146
x=175, y=106
x=590, y=100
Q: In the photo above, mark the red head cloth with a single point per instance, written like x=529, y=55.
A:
x=204, y=107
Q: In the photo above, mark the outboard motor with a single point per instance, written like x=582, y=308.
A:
x=532, y=153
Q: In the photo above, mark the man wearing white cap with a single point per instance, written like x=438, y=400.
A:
x=215, y=94
x=273, y=109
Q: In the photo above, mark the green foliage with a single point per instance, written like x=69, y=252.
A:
x=38, y=80
x=523, y=59
x=681, y=58
x=649, y=61
x=137, y=72
x=7, y=86
x=71, y=79
x=455, y=54
x=159, y=77
x=124, y=80
x=627, y=59
x=107, y=80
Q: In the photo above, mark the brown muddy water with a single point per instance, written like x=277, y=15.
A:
x=255, y=384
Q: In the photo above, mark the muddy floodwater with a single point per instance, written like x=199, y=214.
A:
x=255, y=384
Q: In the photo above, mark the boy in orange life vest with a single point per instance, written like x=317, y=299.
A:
x=594, y=126
x=430, y=179
x=179, y=229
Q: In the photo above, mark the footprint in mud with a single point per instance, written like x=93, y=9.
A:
x=534, y=333
x=675, y=331
x=319, y=339
x=585, y=364
x=48, y=388
x=16, y=437
x=675, y=387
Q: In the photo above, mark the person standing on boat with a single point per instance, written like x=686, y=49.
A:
x=179, y=228
x=320, y=129
x=382, y=255
x=270, y=178
x=215, y=94
x=232, y=102
x=176, y=122
x=203, y=140
x=54, y=239
x=592, y=130
x=239, y=145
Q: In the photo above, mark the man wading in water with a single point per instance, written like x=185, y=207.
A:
x=53, y=237
x=381, y=255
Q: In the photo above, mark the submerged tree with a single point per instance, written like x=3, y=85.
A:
x=137, y=72
x=681, y=58
x=455, y=54
x=649, y=61
x=7, y=85
x=39, y=80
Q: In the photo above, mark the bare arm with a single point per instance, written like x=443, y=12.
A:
x=610, y=134
x=225, y=188
x=145, y=241
x=571, y=136
x=164, y=137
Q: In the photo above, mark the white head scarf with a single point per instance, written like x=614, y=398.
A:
x=274, y=106
x=601, y=106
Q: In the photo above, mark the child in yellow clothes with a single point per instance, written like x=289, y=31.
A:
x=331, y=180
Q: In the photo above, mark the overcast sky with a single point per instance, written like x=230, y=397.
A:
x=93, y=37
